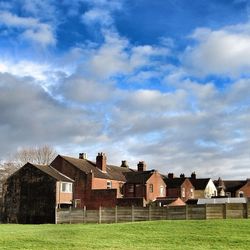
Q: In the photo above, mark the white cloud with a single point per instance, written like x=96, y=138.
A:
x=224, y=51
x=33, y=29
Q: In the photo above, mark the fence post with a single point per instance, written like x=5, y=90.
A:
x=246, y=207
x=116, y=212
x=205, y=211
x=132, y=213
x=167, y=213
x=100, y=215
x=186, y=215
x=84, y=214
x=55, y=215
x=70, y=213
x=225, y=211
x=149, y=212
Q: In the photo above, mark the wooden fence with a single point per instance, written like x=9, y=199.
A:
x=132, y=214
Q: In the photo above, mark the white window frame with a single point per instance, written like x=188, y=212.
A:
x=183, y=192
x=66, y=187
x=162, y=191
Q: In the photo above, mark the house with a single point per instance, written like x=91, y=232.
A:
x=179, y=187
x=33, y=192
x=148, y=185
x=233, y=188
x=95, y=183
x=203, y=187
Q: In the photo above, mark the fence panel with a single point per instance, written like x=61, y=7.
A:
x=196, y=212
x=130, y=214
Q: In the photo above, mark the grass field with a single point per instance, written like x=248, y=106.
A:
x=211, y=234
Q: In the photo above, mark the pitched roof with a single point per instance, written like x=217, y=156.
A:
x=138, y=177
x=232, y=186
x=52, y=172
x=173, y=182
x=113, y=172
x=200, y=183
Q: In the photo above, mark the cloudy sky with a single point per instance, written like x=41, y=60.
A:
x=165, y=81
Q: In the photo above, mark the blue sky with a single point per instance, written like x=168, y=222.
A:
x=163, y=81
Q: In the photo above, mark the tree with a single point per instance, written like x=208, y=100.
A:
x=39, y=155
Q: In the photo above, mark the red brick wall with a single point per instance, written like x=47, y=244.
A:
x=157, y=182
x=79, y=186
x=103, y=198
x=245, y=189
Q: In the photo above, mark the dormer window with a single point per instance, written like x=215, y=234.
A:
x=66, y=187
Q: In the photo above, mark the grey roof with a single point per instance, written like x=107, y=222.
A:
x=173, y=182
x=52, y=172
x=139, y=177
x=200, y=183
x=113, y=172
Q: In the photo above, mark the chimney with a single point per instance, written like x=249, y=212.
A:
x=141, y=166
x=171, y=175
x=101, y=162
x=124, y=164
x=182, y=176
x=83, y=156
x=193, y=175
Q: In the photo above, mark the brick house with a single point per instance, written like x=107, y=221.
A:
x=95, y=183
x=33, y=192
x=203, y=187
x=179, y=187
x=233, y=188
x=148, y=185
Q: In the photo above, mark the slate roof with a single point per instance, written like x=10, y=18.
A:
x=52, y=172
x=173, y=182
x=232, y=185
x=200, y=183
x=138, y=177
x=87, y=166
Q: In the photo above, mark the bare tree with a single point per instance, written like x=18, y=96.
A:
x=39, y=155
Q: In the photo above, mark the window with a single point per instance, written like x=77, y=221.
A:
x=151, y=188
x=131, y=188
x=192, y=192
x=241, y=194
x=109, y=184
x=183, y=193
x=66, y=187
x=162, y=191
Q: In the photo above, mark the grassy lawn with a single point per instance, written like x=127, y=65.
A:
x=211, y=234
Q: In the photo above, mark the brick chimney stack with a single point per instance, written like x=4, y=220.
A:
x=83, y=156
x=141, y=166
x=124, y=164
x=101, y=162
x=182, y=176
x=171, y=175
x=193, y=175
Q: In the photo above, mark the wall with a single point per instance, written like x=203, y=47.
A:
x=80, y=178
x=245, y=189
x=62, y=197
x=157, y=182
x=30, y=197
x=98, y=183
x=210, y=190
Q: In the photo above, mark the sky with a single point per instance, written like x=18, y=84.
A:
x=164, y=81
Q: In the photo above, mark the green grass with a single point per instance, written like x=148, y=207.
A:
x=210, y=234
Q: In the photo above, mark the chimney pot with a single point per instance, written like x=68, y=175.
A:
x=182, y=175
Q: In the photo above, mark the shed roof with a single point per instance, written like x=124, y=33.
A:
x=52, y=172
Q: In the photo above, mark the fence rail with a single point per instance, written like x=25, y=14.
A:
x=131, y=214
